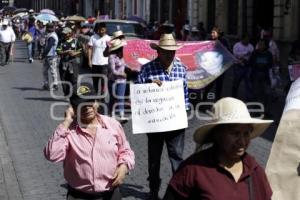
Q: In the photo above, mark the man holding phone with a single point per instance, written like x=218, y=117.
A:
x=93, y=147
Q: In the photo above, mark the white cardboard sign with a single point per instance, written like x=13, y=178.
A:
x=158, y=108
x=293, y=98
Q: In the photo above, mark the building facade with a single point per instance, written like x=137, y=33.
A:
x=65, y=7
x=233, y=16
x=248, y=16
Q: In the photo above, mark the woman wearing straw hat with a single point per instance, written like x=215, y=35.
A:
x=224, y=170
x=117, y=77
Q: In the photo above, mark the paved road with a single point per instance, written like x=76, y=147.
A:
x=25, y=125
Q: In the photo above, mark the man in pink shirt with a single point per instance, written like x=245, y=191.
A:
x=93, y=147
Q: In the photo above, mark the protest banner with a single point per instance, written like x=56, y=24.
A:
x=283, y=166
x=205, y=60
x=158, y=108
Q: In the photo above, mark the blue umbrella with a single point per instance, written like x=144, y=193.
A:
x=47, y=11
x=47, y=17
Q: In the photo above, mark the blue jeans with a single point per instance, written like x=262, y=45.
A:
x=117, y=95
x=120, y=92
x=30, y=49
x=175, y=145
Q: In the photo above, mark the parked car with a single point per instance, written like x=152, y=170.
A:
x=131, y=29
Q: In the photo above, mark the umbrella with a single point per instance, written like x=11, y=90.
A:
x=9, y=8
x=21, y=15
x=20, y=10
x=47, y=11
x=75, y=18
x=47, y=17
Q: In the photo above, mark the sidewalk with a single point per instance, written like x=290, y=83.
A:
x=9, y=186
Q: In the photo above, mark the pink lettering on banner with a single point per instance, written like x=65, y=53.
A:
x=205, y=60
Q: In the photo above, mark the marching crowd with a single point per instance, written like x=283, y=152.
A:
x=96, y=154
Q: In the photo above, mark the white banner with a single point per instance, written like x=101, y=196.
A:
x=293, y=98
x=158, y=108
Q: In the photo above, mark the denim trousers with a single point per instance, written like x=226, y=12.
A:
x=117, y=96
x=30, y=49
x=175, y=144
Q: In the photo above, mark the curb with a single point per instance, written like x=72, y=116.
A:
x=9, y=186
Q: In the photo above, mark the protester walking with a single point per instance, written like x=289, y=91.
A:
x=164, y=68
x=217, y=35
x=70, y=58
x=93, y=148
x=117, y=79
x=261, y=61
x=7, y=38
x=50, y=57
x=31, y=45
x=97, y=61
x=242, y=50
x=223, y=169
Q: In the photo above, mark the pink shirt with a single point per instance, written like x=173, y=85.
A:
x=90, y=163
x=242, y=51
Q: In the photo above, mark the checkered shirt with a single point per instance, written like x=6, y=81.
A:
x=154, y=71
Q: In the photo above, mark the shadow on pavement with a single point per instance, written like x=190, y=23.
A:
x=28, y=88
x=129, y=190
x=44, y=99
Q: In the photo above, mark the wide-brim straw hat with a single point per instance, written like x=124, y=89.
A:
x=116, y=44
x=166, y=42
x=230, y=111
x=117, y=34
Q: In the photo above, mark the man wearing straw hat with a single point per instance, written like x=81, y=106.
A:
x=164, y=68
x=223, y=169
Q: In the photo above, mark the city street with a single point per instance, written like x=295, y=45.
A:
x=26, y=124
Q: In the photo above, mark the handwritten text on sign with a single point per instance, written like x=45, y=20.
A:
x=158, y=108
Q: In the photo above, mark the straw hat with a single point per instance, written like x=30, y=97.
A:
x=27, y=37
x=231, y=111
x=166, y=42
x=117, y=34
x=116, y=44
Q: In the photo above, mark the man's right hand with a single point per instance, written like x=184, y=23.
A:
x=158, y=82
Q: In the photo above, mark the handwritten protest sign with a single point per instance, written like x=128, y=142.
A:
x=283, y=167
x=205, y=60
x=158, y=108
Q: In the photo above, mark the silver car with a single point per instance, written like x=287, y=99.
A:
x=131, y=29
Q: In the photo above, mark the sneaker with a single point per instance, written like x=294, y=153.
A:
x=30, y=60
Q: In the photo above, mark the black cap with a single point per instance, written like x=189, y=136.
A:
x=82, y=94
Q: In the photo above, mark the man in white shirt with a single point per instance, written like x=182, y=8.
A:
x=242, y=50
x=7, y=38
x=97, y=61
